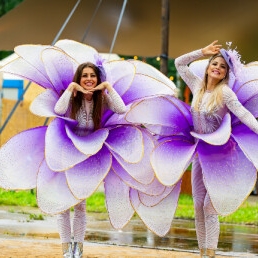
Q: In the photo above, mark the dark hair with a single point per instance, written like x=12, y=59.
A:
x=97, y=95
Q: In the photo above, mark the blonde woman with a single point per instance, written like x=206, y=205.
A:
x=212, y=99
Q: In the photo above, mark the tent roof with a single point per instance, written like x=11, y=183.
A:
x=193, y=24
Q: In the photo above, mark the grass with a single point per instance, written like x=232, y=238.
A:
x=246, y=214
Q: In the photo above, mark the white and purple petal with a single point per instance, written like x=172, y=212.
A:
x=157, y=218
x=89, y=144
x=84, y=178
x=247, y=141
x=141, y=171
x=118, y=202
x=20, y=159
x=229, y=182
x=61, y=154
x=53, y=193
x=218, y=137
x=171, y=158
x=127, y=142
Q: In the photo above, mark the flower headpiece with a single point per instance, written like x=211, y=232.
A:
x=233, y=59
x=99, y=64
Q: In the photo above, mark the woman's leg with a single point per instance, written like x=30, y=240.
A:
x=79, y=228
x=199, y=193
x=211, y=224
x=64, y=226
x=79, y=222
x=64, y=229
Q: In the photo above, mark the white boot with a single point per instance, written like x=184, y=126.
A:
x=67, y=250
x=77, y=250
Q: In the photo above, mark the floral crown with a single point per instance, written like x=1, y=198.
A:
x=233, y=59
x=99, y=63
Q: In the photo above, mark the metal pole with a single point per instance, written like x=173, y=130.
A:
x=164, y=36
x=27, y=86
x=117, y=27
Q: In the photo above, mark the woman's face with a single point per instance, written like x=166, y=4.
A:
x=217, y=69
x=88, y=78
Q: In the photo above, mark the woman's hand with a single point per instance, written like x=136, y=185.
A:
x=102, y=86
x=211, y=49
x=75, y=87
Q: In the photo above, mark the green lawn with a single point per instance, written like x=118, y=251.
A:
x=246, y=214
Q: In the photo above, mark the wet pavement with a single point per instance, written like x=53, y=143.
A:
x=235, y=240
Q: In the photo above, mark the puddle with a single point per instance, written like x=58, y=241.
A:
x=235, y=240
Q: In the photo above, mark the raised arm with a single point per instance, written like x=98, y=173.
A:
x=234, y=105
x=183, y=61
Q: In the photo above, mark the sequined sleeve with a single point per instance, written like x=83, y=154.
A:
x=182, y=62
x=233, y=104
x=114, y=102
x=62, y=105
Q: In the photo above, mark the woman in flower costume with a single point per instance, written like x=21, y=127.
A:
x=68, y=159
x=218, y=135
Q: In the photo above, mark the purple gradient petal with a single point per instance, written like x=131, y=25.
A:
x=150, y=200
x=84, y=178
x=78, y=51
x=247, y=90
x=61, y=154
x=22, y=68
x=144, y=86
x=89, y=144
x=60, y=68
x=247, y=141
x=157, y=218
x=160, y=115
x=154, y=188
x=141, y=171
x=32, y=55
x=118, y=203
x=229, y=182
x=53, y=193
x=146, y=69
x=121, y=79
x=44, y=104
x=220, y=136
x=127, y=142
x=20, y=159
x=171, y=158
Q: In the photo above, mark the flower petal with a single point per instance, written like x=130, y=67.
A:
x=229, y=176
x=157, y=218
x=220, y=136
x=89, y=144
x=143, y=68
x=247, y=141
x=20, y=159
x=61, y=154
x=53, y=193
x=141, y=171
x=150, y=200
x=161, y=115
x=127, y=142
x=154, y=188
x=75, y=50
x=144, y=86
x=121, y=79
x=171, y=158
x=84, y=178
x=22, y=68
x=118, y=203
x=60, y=68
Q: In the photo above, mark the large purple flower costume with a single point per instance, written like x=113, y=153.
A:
x=224, y=142
x=66, y=168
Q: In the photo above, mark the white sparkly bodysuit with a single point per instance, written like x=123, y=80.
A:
x=206, y=218
x=85, y=125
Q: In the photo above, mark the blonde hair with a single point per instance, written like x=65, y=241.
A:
x=216, y=96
